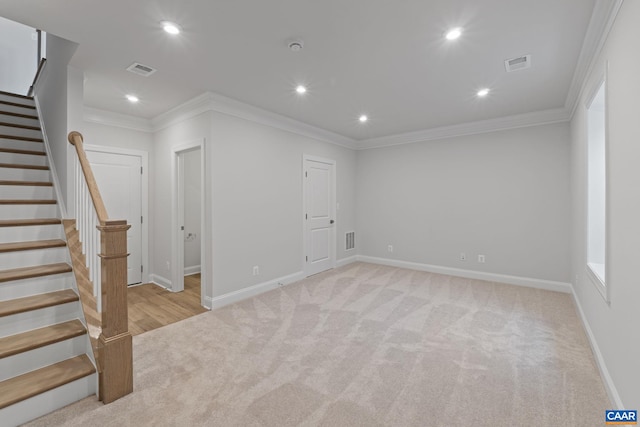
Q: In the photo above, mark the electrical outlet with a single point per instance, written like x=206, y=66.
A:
x=481, y=259
x=463, y=256
x=390, y=248
x=256, y=270
x=168, y=266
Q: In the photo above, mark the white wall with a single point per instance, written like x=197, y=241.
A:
x=192, y=203
x=614, y=326
x=504, y=195
x=18, y=57
x=196, y=128
x=253, y=199
x=51, y=94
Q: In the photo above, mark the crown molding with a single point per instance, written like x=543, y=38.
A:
x=209, y=101
x=109, y=118
x=602, y=19
x=470, y=128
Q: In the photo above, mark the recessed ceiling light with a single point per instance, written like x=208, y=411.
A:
x=453, y=33
x=170, y=27
x=363, y=118
x=133, y=98
x=483, y=92
x=301, y=89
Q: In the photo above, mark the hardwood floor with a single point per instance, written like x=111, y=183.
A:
x=151, y=307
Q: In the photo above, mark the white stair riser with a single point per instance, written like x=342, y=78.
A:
x=14, y=109
x=33, y=232
x=16, y=99
x=22, y=322
x=14, y=131
x=34, y=257
x=6, y=118
x=28, y=211
x=45, y=403
x=22, y=363
x=35, y=192
x=15, y=174
x=23, y=159
x=34, y=286
x=21, y=145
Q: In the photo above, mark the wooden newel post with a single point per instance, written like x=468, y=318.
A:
x=115, y=342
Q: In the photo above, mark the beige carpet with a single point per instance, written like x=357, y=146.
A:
x=365, y=345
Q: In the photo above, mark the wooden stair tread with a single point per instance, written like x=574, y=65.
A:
x=36, y=302
x=21, y=138
x=31, y=245
x=39, y=381
x=35, y=271
x=16, y=95
x=22, y=116
x=17, y=125
x=18, y=166
x=41, y=337
x=29, y=222
x=17, y=151
x=27, y=202
x=16, y=104
x=28, y=183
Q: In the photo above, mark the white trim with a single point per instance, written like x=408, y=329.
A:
x=346, y=261
x=602, y=19
x=470, y=128
x=612, y=391
x=109, y=118
x=144, y=229
x=52, y=167
x=252, y=291
x=163, y=282
x=471, y=274
x=195, y=269
x=210, y=101
x=332, y=245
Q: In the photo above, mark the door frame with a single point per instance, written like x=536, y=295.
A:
x=177, y=215
x=333, y=232
x=144, y=229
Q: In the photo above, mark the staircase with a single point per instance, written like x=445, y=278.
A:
x=46, y=360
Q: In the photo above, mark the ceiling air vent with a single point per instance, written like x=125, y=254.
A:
x=142, y=70
x=519, y=63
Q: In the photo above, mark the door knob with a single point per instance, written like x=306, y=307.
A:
x=331, y=221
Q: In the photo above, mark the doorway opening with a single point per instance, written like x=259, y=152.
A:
x=188, y=238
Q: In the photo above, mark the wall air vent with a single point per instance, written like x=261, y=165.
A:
x=519, y=63
x=141, y=70
x=350, y=240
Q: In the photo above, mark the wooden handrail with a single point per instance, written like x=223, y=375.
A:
x=109, y=266
x=76, y=139
x=37, y=76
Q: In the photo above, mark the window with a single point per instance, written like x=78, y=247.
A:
x=596, y=189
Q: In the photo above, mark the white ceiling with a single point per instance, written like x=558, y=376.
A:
x=387, y=59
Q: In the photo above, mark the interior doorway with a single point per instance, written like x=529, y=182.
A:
x=188, y=248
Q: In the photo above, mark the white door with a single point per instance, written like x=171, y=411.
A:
x=319, y=197
x=119, y=178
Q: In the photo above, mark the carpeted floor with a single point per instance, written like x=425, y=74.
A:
x=365, y=345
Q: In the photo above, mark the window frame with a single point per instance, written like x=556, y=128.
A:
x=602, y=284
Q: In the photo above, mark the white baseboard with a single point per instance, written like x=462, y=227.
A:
x=161, y=281
x=251, y=291
x=192, y=270
x=612, y=391
x=470, y=274
x=346, y=261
